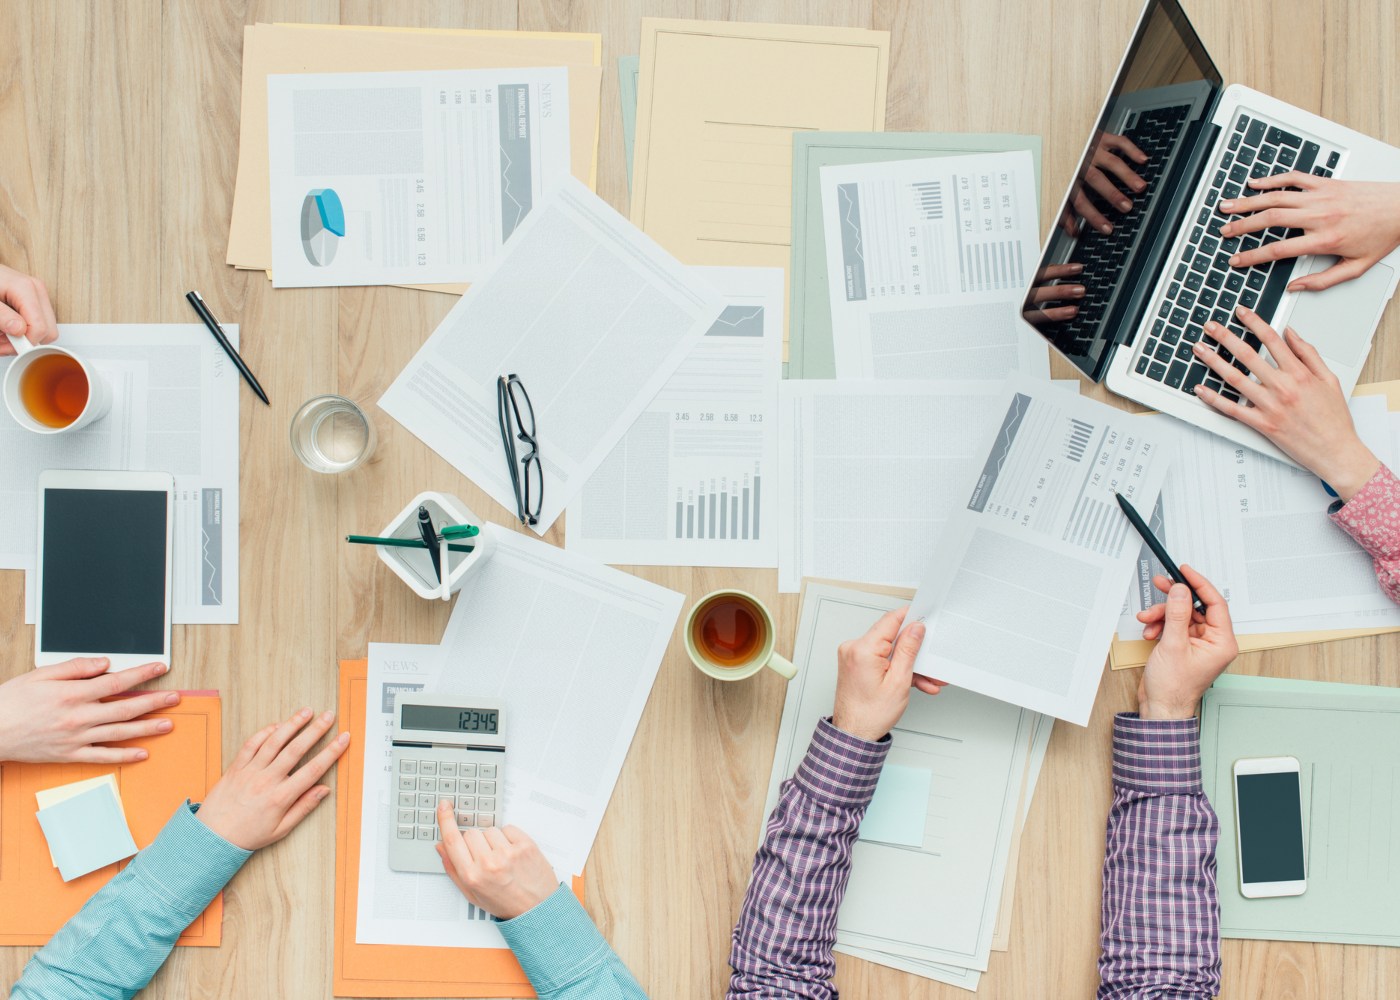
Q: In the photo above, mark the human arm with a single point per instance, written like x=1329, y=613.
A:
x=1356, y=221
x=503, y=872
x=1297, y=403
x=1160, y=918
x=783, y=941
x=56, y=714
x=119, y=939
x=25, y=310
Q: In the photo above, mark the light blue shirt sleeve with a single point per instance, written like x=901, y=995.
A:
x=116, y=942
x=564, y=955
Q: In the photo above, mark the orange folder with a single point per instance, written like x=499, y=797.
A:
x=384, y=970
x=183, y=764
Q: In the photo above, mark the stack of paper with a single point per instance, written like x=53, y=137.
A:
x=400, y=155
x=174, y=409
x=1347, y=738
x=930, y=883
x=85, y=826
x=1258, y=528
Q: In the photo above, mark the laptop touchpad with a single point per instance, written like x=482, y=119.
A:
x=1340, y=320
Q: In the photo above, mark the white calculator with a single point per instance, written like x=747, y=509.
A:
x=444, y=748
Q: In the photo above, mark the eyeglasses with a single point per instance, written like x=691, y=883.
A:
x=517, y=419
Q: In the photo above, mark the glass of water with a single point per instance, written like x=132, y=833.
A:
x=332, y=434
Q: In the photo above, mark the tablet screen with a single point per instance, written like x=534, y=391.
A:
x=104, y=571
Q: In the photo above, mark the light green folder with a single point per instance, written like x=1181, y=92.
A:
x=1347, y=739
x=627, y=69
x=810, y=350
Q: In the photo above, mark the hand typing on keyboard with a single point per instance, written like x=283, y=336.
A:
x=1297, y=402
x=1358, y=222
x=1053, y=296
x=499, y=869
x=1097, y=190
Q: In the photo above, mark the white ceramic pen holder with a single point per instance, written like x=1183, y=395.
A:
x=415, y=566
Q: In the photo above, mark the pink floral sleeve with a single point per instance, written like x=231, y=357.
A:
x=1372, y=517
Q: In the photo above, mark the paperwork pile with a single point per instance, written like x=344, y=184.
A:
x=407, y=214
x=930, y=889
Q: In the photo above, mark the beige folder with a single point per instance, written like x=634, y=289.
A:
x=306, y=48
x=717, y=106
x=1126, y=653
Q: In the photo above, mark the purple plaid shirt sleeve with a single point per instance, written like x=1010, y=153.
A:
x=1161, y=915
x=787, y=926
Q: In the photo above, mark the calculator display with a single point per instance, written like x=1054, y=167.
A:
x=450, y=719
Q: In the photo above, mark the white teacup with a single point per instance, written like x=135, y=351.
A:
x=99, y=393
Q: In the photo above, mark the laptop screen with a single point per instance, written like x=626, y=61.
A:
x=1124, y=190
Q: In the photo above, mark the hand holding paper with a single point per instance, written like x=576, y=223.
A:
x=874, y=674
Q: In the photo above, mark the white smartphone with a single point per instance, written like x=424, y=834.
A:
x=103, y=575
x=1269, y=827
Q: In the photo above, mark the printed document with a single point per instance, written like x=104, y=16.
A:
x=718, y=103
x=571, y=648
x=175, y=397
x=1258, y=529
x=593, y=317
x=404, y=907
x=692, y=483
x=937, y=902
x=1026, y=581
x=928, y=261
x=392, y=178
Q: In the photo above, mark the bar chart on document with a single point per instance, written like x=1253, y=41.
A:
x=690, y=484
x=928, y=259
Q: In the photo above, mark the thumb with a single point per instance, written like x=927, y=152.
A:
x=76, y=668
x=906, y=649
x=1178, y=615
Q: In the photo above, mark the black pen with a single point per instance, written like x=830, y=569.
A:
x=430, y=538
x=1147, y=536
x=218, y=332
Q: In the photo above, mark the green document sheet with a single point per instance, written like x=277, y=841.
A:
x=1347, y=739
x=627, y=69
x=810, y=352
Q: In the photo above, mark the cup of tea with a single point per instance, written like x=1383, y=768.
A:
x=50, y=390
x=730, y=634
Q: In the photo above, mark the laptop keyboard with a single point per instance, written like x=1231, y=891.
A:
x=1155, y=132
x=1204, y=286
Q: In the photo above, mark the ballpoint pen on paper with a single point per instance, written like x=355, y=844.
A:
x=430, y=539
x=1157, y=550
x=401, y=543
x=207, y=317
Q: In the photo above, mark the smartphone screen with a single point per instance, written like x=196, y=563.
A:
x=104, y=571
x=1270, y=815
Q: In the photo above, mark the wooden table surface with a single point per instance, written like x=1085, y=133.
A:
x=118, y=143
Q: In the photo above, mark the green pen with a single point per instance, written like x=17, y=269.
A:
x=460, y=531
x=401, y=543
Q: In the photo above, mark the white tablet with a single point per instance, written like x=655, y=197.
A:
x=104, y=566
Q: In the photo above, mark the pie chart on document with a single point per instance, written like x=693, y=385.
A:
x=322, y=225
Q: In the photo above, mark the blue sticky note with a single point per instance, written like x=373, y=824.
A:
x=87, y=832
x=899, y=810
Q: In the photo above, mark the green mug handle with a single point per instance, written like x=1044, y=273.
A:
x=783, y=666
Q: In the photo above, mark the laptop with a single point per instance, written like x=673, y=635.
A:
x=1153, y=282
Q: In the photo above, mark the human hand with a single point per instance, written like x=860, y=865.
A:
x=500, y=871
x=1111, y=156
x=873, y=677
x=1192, y=649
x=56, y=714
x=1356, y=221
x=260, y=798
x=25, y=310
x=1297, y=403
x=1046, y=289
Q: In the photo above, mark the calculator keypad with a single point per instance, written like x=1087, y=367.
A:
x=422, y=784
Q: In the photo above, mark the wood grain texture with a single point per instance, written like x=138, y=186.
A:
x=118, y=137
